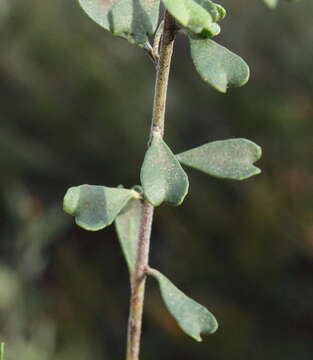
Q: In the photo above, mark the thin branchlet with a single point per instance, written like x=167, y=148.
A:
x=159, y=105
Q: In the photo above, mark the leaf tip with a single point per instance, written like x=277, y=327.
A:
x=221, y=11
x=258, y=152
x=197, y=338
x=71, y=200
x=87, y=227
x=255, y=171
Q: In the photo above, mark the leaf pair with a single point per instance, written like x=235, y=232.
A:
x=164, y=180
x=193, y=318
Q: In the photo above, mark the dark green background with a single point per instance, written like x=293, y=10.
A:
x=75, y=107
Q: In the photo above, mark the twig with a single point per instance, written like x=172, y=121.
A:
x=139, y=276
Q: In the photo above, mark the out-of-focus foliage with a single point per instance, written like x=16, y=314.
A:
x=75, y=107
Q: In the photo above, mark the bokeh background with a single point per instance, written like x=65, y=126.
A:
x=75, y=108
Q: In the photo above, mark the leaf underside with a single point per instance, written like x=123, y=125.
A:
x=127, y=226
x=95, y=207
x=217, y=65
x=230, y=159
x=198, y=16
x=133, y=20
x=194, y=319
x=162, y=176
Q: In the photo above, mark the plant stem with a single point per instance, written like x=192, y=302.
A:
x=158, y=117
x=163, y=71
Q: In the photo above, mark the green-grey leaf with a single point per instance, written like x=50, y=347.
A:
x=162, y=177
x=128, y=227
x=271, y=3
x=198, y=16
x=217, y=65
x=194, y=319
x=221, y=12
x=96, y=207
x=230, y=159
x=133, y=20
x=216, y=11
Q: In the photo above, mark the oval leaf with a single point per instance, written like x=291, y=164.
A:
x=217, y=65
x=194, y=319
x=127, y=226
x=133, y=20
x=96, y=207
x=230, y=159
x=198, y=16
x=162, y=177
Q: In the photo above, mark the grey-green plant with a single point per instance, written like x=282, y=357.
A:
x=163, y=179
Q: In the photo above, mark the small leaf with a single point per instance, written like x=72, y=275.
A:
x=216, y=11
x=230, y=159
x=96, y=207
x=271, y=3
x=133, y=20
x=217, y=65
x=128, y=228
x=193, y=318
x=221, y=12
x=162, y=177
x=198, y=16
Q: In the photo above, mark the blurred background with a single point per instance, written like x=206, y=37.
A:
x=75, y=108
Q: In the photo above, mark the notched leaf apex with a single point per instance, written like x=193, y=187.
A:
x=71, y=200
x=96, y=207
x=229, y=159
x=162, y=177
